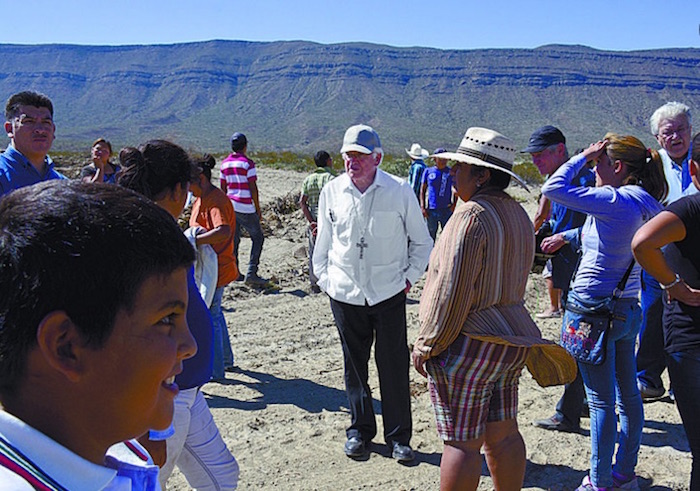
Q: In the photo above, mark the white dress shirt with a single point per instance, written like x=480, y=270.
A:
x=396, y=245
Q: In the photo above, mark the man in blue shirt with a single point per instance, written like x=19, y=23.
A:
x=415, y=172
x=547, y=146
x=29, y=125
x=436, y=199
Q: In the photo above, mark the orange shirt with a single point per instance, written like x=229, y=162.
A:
x=211, y=211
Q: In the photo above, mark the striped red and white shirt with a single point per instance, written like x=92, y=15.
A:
x=237, y=172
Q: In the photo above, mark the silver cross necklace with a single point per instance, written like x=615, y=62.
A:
x=362, y=244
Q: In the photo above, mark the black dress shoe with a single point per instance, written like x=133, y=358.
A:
x=355, y=447
x=650, y=394
x=402, y=453
x=557, y=423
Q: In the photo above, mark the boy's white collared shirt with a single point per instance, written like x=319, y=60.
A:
x=70, y=470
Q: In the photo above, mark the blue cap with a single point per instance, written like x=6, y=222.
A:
x=543, y=138
x=361, y=138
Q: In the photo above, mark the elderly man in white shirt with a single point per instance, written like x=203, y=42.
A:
x=372, y=245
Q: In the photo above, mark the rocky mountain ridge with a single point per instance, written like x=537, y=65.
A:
x=300, y=96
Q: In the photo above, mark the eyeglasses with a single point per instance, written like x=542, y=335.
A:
x=668, y=133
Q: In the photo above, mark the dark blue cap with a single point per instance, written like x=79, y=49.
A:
x=238, y=141
x=543, y=138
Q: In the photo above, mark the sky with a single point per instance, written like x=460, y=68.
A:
x=620, y=25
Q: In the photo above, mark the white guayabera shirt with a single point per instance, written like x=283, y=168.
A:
x=369, y=244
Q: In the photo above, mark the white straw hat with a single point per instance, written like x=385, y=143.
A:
x=486, y=148
x=417, y=152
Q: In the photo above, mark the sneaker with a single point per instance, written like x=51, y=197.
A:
x=625, y=482
x=586, y=485
x=650, y=393
x=557, y=423
x=549, y=314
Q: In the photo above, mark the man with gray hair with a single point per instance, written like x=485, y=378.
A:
x=372, y=244
x=547, y=145
x=671, y=124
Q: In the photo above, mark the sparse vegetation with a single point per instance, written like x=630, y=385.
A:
x=528, y=172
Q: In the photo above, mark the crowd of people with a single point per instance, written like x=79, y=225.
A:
x=619, y=219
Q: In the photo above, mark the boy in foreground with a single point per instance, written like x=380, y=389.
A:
x=89, y=343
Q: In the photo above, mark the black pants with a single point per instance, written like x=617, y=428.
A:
x=651, y=361
x=571, y=403
x=358, y=326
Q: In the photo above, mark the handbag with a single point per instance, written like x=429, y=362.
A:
x=584, y=332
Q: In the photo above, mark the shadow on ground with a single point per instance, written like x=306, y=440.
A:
x=303, y=393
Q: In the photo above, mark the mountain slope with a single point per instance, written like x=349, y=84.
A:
x=301, y=96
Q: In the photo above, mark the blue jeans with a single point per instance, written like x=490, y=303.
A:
x=223, y=355
x=435, y=217
x=650, y=355
x=613, y=381
x=684, y=370
x=251, y=223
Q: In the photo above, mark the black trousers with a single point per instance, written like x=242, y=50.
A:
x=571, y=403
x=358, y=326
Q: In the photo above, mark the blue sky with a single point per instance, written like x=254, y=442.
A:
x=461, y=24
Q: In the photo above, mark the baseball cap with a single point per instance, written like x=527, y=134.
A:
x=543, y=138
x=361, y=138
x=238, y=140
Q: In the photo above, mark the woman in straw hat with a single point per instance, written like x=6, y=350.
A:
x=476, y=335
x=629, y=185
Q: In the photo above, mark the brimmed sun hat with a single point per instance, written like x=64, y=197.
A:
x=486, y=148
x=417, y=152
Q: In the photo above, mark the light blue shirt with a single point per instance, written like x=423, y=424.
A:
x=614, y=215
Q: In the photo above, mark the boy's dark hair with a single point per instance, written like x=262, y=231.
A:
x=82, y=248
x=26, y=98
x=155, y=168
x=321, y=158
x=205, y=163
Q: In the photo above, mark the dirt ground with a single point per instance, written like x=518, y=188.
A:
x=283, y=413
